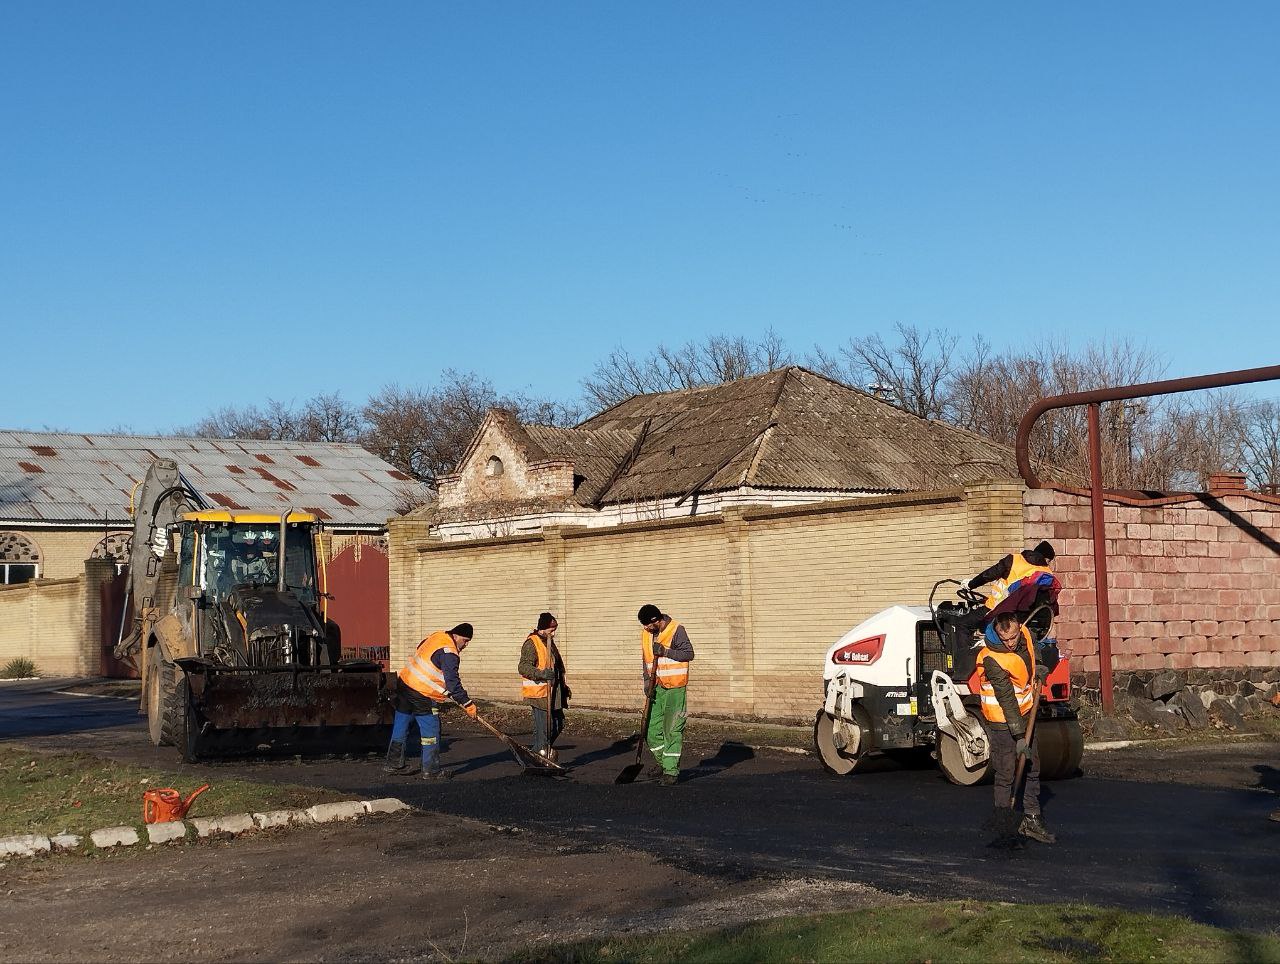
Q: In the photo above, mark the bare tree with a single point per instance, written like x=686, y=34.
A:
x=914, y=372
x=713, y=361
x=1260, y=446
x=329, y=418
x=424, y=432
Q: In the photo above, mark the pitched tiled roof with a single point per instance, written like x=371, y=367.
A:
x=63, y=477
x=789, y=429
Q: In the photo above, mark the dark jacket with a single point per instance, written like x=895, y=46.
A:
x=554, y=674
x=1002, y=568
x=1046, y=660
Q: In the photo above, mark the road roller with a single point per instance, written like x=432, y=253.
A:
x=904, y=680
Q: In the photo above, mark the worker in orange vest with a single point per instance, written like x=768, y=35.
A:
x=666, y=654
x=430, y=679
x=1007, y=674
x=542, y=684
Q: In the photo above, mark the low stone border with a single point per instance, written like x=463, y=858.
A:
x=106, y=838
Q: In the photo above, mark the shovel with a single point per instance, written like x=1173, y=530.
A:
x=1022, y=760
x=524, y=756
x=629, y=773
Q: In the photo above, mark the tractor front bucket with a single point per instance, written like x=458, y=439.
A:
x=294, y=710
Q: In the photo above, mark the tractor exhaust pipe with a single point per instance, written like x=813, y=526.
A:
x=284, y=531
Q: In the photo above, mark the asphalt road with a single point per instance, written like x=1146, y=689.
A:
x=1131, y=839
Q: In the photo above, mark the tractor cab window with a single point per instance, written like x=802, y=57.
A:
x=247, y=554
x=187, y=555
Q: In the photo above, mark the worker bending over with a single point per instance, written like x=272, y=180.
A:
x=666, y=652
x=542, y=684
x=1008, y=674
x=429, y=679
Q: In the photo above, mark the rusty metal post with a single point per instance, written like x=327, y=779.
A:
x=1101, y=592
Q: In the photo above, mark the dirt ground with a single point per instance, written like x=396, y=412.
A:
x=410, y=887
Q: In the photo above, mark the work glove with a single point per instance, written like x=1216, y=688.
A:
x=659, y=650
x=469, y=707
x=1022, y=749
x=964, y=583
x=566, y=694
x=1042, y=672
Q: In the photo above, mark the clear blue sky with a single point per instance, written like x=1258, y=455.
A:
x=215, y=203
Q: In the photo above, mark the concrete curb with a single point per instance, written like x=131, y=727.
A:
x=234, y=824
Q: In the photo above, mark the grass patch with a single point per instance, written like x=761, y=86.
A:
x=950, y=931
x=18, y=668
x=76, y=793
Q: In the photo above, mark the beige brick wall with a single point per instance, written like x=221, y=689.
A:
x=45, y=621
x=763, y=593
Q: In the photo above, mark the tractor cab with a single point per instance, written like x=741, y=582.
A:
x=251, y=579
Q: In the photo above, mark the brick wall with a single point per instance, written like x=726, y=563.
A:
x=763, y=592
x=1194, y=583
x=55, y=623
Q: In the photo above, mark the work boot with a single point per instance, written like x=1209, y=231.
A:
x=437, y=773
x=395, y=758
x=669, y=779
x=1033, y=826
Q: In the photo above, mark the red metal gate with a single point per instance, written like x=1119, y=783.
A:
x=111, y=596
x=361, y=605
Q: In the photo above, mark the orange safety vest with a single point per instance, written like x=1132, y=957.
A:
x=1020, y=675
x=1018, y=571
x=423, y=675
x=537, y=689
x=672, y=673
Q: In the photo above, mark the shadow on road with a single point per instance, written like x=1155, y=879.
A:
x=731, y=753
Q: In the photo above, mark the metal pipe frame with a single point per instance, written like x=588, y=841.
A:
x=1094, y=399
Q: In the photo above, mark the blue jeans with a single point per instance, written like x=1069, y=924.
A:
x=428, y=730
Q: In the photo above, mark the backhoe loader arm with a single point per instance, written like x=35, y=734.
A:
x=162, y=496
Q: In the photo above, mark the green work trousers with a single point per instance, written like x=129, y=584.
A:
x=666, y=727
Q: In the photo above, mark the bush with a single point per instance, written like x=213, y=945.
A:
x=18, y=668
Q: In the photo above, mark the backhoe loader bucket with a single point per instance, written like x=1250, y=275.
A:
x=300, y=710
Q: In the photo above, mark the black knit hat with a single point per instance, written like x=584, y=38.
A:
x=546, y=620
x=1045, y=549
x=462, y=629
x=648, y=613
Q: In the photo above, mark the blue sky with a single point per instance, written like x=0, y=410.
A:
x=289, y=198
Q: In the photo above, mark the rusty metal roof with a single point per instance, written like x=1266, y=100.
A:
x=65, y=477
x=789, y=429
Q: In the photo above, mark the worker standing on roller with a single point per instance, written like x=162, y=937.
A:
x=1008, y=672
x=666, y=653
x=427, y=681
x=542, y=684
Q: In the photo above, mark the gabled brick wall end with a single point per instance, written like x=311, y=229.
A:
x=1194, y=584
x=519, y=480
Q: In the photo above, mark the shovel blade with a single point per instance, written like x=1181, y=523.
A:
x=629, y=774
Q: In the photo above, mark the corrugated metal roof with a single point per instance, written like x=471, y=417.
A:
x=64, y=477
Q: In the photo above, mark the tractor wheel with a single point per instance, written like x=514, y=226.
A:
x=951, y=761
x=1061, y=745
x=837, y=754
x=166, y=706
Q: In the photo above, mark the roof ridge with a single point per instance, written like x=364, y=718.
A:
x=749, y=474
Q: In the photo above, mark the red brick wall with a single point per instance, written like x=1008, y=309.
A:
x=1194, y=584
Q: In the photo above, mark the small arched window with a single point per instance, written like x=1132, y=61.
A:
x=493, y=468
x=19, y=559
